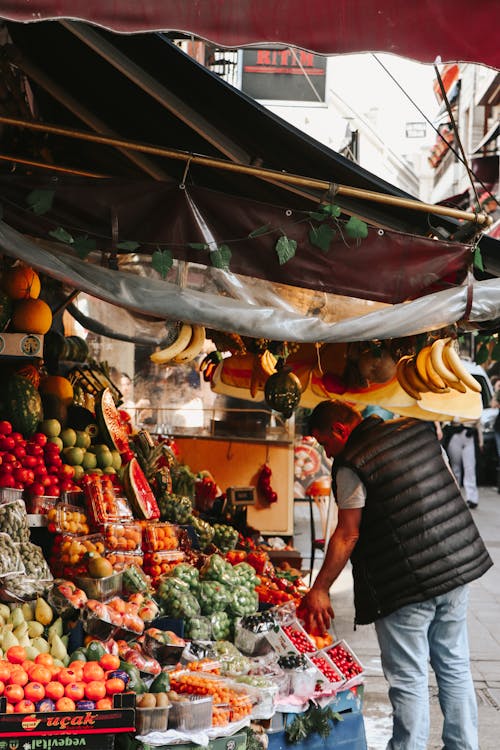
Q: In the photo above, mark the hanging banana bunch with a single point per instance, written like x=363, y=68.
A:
x=186, y=347
x=437, y=368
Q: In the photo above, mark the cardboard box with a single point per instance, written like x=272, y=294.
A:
x=21, y=344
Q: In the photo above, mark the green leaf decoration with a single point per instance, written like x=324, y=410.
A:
x=130, y=246
x=84, y=245
x=478, y=259
x=198, y=245
x=495, y=352
x=259, y=231
x=221, y=257
x=332, y=210
x=356, y=229
x=322, y=236
x=482, y=354
x=162, y=261
x=285, y=249
x=62, y=235
x=40, y=201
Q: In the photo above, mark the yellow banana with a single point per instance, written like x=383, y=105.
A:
x=451, y=358
x=194, y=346
x=439, y=364
x=403, y=381
x=180, y=343
x=420, y=363
x=268, y=362
x=434, y=377
x=412, y=375
x=427, y=374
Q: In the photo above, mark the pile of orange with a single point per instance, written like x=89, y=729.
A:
x=30, y=314
x=24, y=682
x=159, y=536
x=122, y=536
x=240, y=703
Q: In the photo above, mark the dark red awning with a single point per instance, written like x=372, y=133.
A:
x=455, y=30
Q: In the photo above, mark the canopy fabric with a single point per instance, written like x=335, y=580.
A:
x=228, y=304
x=455, y=30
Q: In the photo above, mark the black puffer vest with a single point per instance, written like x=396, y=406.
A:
x=417, y=536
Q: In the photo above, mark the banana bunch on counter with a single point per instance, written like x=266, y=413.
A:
x=437, y=368
x=186, y=347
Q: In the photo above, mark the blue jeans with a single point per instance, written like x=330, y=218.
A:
x=434, y=630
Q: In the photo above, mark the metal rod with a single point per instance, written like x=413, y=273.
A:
x=480, y=218
x=51, y=167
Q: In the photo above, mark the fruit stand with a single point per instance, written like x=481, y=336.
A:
x=138, y=607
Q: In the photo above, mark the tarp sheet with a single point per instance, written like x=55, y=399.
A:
x=454, y=29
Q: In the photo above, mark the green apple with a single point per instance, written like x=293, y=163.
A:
x=57, y=441
x=68, y=436
x=73, y=455
x=50, y=427
x=79, y=472
x=89, y=460
x=83, y=439
x=109, y=470
x=117, y=460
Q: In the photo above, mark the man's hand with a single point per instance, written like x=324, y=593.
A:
x=316, y=611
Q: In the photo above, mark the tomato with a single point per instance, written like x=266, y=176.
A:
x=105, y=704
x=75, y=690
x=92, y=671
x=114, y=685
x=34, y=691
x=14, y=693
x=24, y=707
x=16, y=654
x=109, y=662
x=65, y=704
x=54, y=690
x=41, y=673
x=95, y=690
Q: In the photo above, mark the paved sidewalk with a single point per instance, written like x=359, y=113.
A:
x=484, y=635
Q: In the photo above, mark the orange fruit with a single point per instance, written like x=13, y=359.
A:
x=34, y=691
x=18, y=677
x=31, y=316
x=92, y=671
x=65, y=704
x=24, y=707
x=45, y=659
x=58, y=386
x=114, y=685
x=14, y=693
x=16, y=654
x=105, y=704
x=75, y=691
x=21, y=282
x=54, y=691
x=40, y=673
x=95, y=690
x=5, y=670
x=109, y=662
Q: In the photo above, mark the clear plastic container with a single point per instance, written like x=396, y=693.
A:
x=134, y=581
x=165, y=653
x=122, y=560
x=191, y=714
x=123, y=536
x=66, y=598
x=221, y=714
x=157, y=564
x=101, y=589
x=102, y=502
x=346, y=661
x=19, y=588
x=41, y=504
x=97, y=621
x=7, y=494
x=67, y=519
x=159, y=537
x=151, y=719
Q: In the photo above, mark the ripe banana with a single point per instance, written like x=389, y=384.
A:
x=194, y=346
x=268, y=362
x=412, y=375
x=452, y=360
x=434, y=382
x=403, y=381
x=180, y=343
x=440, y=366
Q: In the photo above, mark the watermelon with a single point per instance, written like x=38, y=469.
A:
x=22, y=405
x=113, y=432
x=138, y=491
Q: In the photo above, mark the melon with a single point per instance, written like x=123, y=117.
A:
x=22, y=405
x=113, y=431
x=139, y=492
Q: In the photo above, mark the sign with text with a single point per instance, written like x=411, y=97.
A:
x=287, y=74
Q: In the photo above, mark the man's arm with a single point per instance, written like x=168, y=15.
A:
x=315, y=607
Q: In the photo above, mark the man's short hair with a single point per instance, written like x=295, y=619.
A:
x=328, y=412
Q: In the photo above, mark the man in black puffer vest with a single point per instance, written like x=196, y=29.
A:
x=414, y=547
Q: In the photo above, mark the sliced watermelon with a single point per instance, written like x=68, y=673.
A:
x=139, y=492
x=113, y=431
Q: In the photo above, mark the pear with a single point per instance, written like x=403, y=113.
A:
x=35, y=629
x=8, y=640
x=41, y=645
x=17, y=617
x=58, y=649
x=28, y=610
x=31, y=652
x=4, y=612
x=43, y=611
x=21, y=631
x=24, y=640
x=55, y=629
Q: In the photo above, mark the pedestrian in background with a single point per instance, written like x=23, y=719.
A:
x=413, y=546
x=462, y=442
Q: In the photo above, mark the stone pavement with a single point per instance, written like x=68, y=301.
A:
x=484, y=636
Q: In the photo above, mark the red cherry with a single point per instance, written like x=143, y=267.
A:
x=7, y=443
x=39, y=438
x=29, y=462
x=5, y=427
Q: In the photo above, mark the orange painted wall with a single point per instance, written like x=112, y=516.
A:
x=237, y=463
